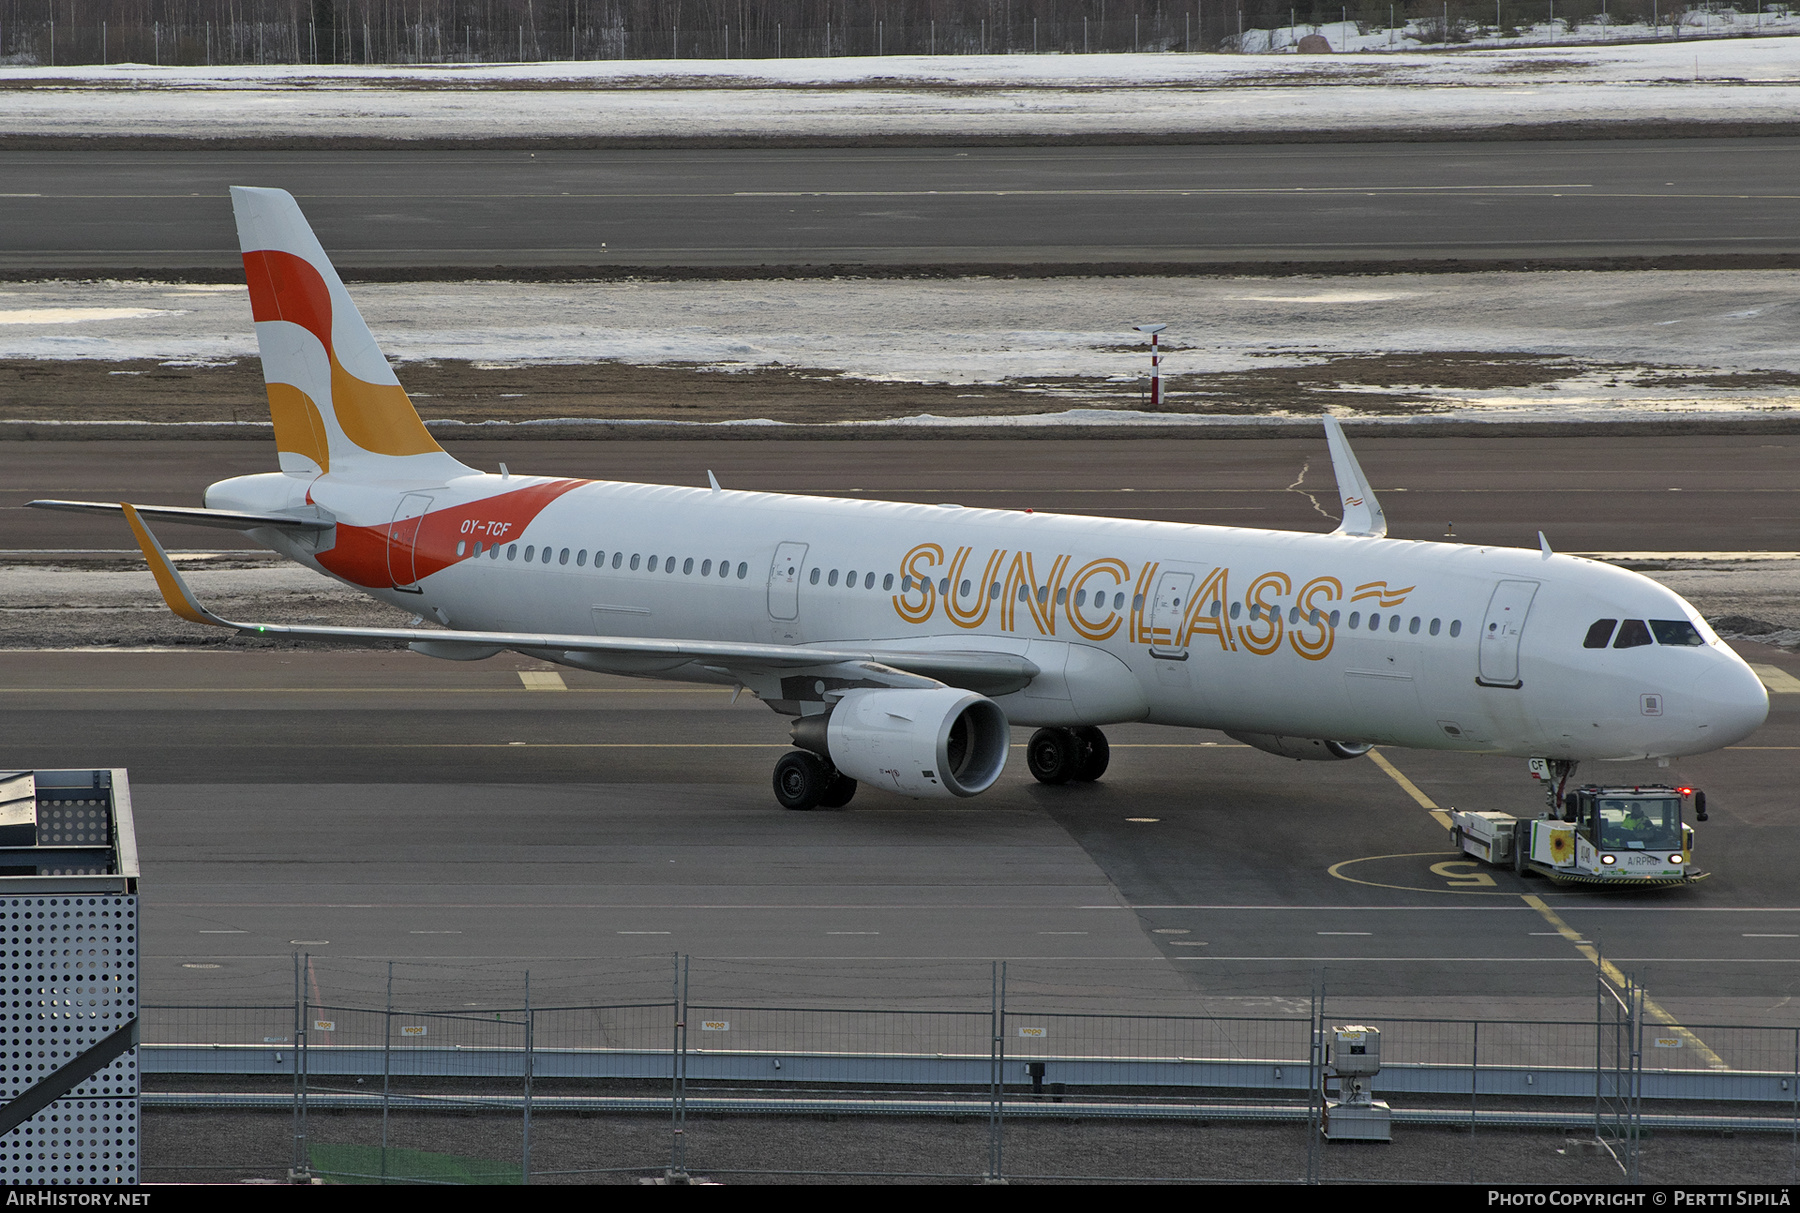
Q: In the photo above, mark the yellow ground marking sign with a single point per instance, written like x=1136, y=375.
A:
x=542, y=680
x=1654, y=1009
x=1712, y=1059
x=1453, y=882
x=1410, y=788
x=1463, y=873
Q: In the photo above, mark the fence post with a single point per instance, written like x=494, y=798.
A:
x=1315, y=1076
x=305, y=1162
x=387, y=1066
x=530, y=1064
x=996, y=1094
x=1474, y=1088
x=677, y=1173
x=298, y=1172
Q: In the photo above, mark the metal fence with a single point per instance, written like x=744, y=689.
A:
x=682, y=1087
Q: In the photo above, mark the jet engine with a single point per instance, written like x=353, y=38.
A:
x=1303, y=747
x=935, y=743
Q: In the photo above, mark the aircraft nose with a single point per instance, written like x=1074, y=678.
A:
x=1732, y=700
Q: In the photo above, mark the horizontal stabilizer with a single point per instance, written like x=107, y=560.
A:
x=955, y=668
x=228, y=520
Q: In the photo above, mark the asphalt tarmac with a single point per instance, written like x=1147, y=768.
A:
x=116, y=212
x=362, y=807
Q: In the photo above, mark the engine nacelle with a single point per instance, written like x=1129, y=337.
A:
x=1303, y=748
x=940, y=742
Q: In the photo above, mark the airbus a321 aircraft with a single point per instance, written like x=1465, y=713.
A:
x=905, y=639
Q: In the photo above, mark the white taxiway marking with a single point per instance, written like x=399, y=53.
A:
x=542, y=680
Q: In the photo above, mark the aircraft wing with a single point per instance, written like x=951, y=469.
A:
x=990, y=673
x=230, y=520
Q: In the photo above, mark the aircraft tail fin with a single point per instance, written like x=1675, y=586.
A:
x=336, y=404
x=1363, y=515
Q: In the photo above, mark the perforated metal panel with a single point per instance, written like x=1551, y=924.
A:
x=70, y=978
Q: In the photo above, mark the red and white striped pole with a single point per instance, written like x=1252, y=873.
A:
x=1155, y=362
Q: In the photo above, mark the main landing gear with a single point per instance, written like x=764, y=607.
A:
x=803, y=780
x=1067, y=755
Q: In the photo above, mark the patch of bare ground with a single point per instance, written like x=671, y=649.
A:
x=1731, y=381
x=1372, y=384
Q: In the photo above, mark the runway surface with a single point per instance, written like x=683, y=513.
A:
x=1728, y=492
x=364, y=807
x=111, y=211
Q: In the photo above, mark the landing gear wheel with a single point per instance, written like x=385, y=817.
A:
x=802, y=780
x=838, y=792
x=1053, y=755
x=1519, y=868
x=1095, y=754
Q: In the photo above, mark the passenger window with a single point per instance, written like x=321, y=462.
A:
x=618, y=556
x=943, y=585
x=650, y=565
x=1436, y=625
x=1137, y=602
x=1456, y=627
x=742, y=570
x=724, y=568
x=512, y=551
x=906, y=584
x=850, y=580
x=1374, y=622
x=1676, y=632
x=529, y=549
x=545, y=558
x=1334, y=618
x=994, y=591
x=687, y=566
x=868, y=581
x=706, y=568
x=460, y=545
x=563, y=557
x=814, y=579
x=962, y=591
x=832, y=579
x=494, y=552
x=634, y=561
x=1235, y=608
x=1293, y=614
x=1413, y=627
x=1024, y=593
x=1393, y=623
x=1632, y=633
x=581, y=559
x=887, y=583
x=1599, y=633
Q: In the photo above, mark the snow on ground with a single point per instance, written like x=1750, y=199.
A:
x=1028, y=332
x=1732, y=80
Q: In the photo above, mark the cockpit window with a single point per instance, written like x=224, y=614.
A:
x=1676, y=631
x=1632, y=633
x=1639, y=823
x=1600, y=633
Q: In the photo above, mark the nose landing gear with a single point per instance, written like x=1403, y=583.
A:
x=1058, y=756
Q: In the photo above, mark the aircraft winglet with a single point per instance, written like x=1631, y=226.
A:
x=1362, y=513
x=175, y=592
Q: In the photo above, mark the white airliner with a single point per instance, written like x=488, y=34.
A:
x=905, y=639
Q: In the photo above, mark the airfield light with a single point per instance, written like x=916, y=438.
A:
x=1155, y=362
